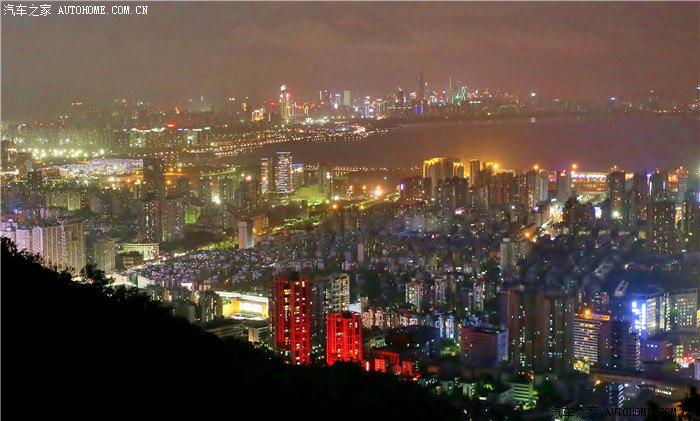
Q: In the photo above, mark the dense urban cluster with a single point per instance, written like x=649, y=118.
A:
x=498, y=288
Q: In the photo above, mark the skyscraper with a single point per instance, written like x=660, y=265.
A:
x=474, y=170
x=437, y=169
x=283, y=172
x=616, y=192
x=290, y=315
x=344, y=337
x=662, y=219
x=150, y=222
x=153, y=185
x=563, y=185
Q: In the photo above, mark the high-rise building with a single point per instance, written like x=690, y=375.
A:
x=484, y=345
x=211, y=306
x=648, y=312
x=587, y=331
x=640, y=183
x=61, y=245
x=563, y=186
x=150, y=222
x=620, y=347
x=662, y=226
x=153, y=183
x=511, y=253
x=539, y=322
x=204, y=192
x=421, y=89
x=247, y=195
x=658, y=186
x=437, y=169
x=290, y=315
x=329, y=295
x=246, y=239
x=286, y=106
x=227, y=186
x=105, y=255
x=172, y=217
x=689, y=224
x=414, y=189
x=474, y=170
x=452, y=193
x=347, y=101
x=283, y=172
x=616, y=192
x=534, y=188
x=683, y=308
x=343, y=337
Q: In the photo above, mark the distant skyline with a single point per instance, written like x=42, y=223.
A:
x=181, y=50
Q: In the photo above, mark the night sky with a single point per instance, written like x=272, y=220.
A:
x=180, y=50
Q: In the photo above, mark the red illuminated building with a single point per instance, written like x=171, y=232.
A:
x=290, y=318
x=343, y=337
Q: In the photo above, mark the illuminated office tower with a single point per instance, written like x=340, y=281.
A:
x=285, y=99
x=437, y=169
x=347, y=101
x=647, y=312
x=474, y=170
x=343, y=337
x=662, y=229
x=616, y=192
x=682, y=177
x=283, y=172
x=587, y=332
x=683, y=308
x=290, y=315
x=246, y=239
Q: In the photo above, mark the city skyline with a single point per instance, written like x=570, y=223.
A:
x=371, y=49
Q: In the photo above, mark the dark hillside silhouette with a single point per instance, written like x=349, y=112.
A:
x=88, y=351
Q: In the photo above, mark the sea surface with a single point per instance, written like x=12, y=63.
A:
x=632, y=142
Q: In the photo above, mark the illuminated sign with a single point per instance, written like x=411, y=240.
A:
x=639, y=315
